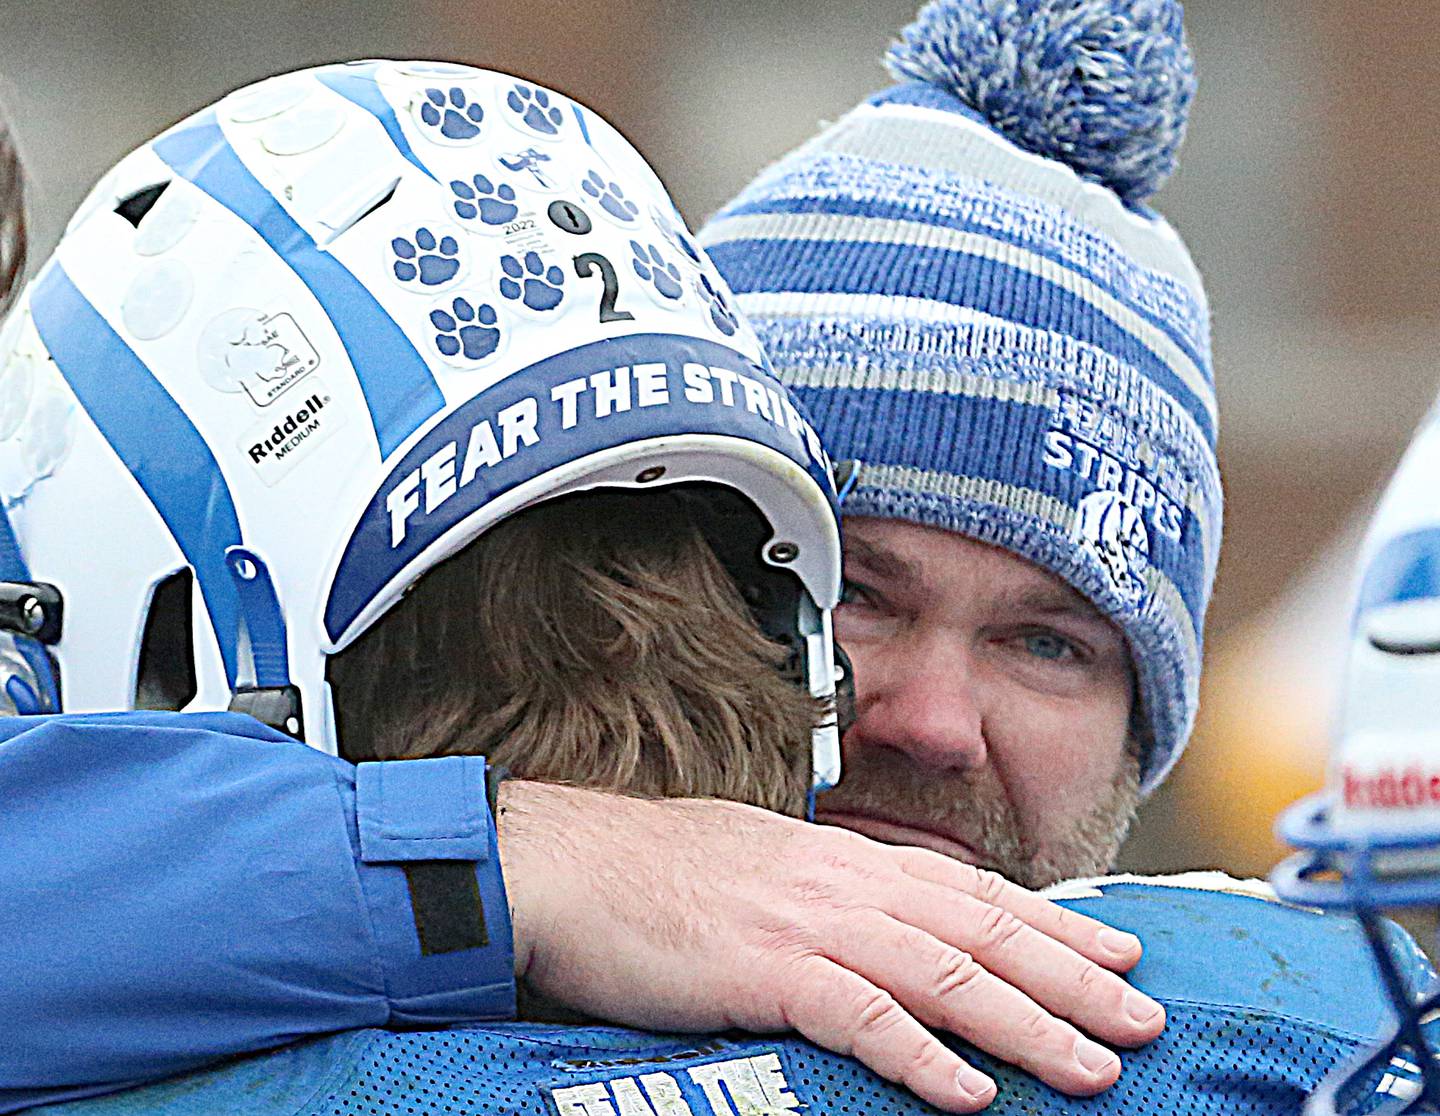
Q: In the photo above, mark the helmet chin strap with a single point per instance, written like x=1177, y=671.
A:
x=272, y=699
x=12, y=564
x=1307, y=877
x=1405, y=1041
x=31, y=615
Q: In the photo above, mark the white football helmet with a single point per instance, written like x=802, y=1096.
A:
x=1372, y=838
x=315, y=339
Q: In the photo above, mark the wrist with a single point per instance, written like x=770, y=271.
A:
x=546, y=834
x=517, y=817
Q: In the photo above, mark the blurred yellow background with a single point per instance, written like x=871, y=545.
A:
x=1306, y=192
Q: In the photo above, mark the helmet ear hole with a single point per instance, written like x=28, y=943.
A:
x=166, y=675
x=141, y=202
x=347, y=223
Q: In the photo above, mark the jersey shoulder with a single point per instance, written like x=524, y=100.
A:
x=1264, y=998
x=1211, y=939
x=1208, y=1063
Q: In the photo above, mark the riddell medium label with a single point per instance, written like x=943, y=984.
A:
x=276, y=446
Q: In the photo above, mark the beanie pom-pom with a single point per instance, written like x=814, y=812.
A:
x=1102, y=85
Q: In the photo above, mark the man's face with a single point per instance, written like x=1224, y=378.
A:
x=993, y=707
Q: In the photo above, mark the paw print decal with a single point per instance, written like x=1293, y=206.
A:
x=611, y=197
x=482, y=200
x=425, y=260
x=725, y=318
x=536, y=286
x=466, y=331
x=532, y=108
x=450, y=115
x=658, y=273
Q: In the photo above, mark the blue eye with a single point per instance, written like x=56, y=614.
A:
x=1046, y=645
x=854, y=593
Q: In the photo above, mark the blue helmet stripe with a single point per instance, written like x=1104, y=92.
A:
x=1406, y=569
x=165, y=453
x=399, y=389
x=12, y=562
x=584, y=128
x=357, y=84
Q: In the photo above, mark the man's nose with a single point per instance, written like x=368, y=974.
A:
x=924, y=700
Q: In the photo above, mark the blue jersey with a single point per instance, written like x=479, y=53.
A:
x=1263, y=1000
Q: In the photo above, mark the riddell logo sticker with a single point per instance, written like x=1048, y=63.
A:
x=274, y=448
x=1391, y=789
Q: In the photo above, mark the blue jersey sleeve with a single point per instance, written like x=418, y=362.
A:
x=176, y=888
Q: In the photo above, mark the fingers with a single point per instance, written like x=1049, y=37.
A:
x=1115, y=949
x=948, y=988
x=1047, y=971
x=857, y=945
x=844, y=1012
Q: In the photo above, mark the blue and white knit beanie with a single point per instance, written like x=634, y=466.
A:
x=962, y=281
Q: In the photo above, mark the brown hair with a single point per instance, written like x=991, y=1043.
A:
x=597, y=640
x=14, y=243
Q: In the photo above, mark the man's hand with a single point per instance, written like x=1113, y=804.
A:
x=698, y=916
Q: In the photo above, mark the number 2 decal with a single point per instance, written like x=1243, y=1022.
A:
x=585, y=267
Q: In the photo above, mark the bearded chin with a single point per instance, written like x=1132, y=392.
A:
x=1092, y=845
x=973, y=808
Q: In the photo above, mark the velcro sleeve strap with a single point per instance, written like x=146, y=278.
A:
x=424, y=809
